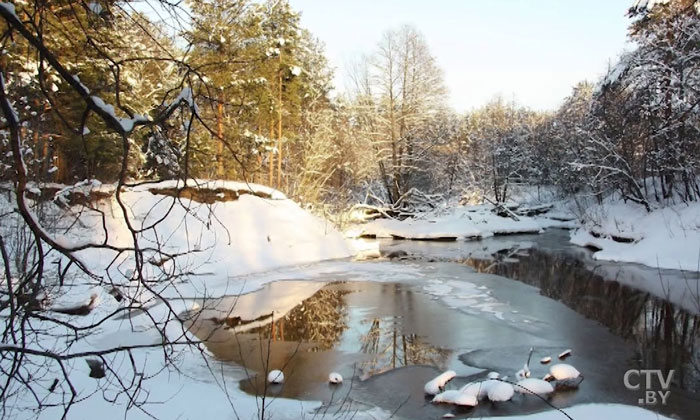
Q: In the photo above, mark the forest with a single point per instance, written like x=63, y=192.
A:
x=239, y=90
x=191, y=209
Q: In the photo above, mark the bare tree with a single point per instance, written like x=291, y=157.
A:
x=40, y=341
x=399, y=90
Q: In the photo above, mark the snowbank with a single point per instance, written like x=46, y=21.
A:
x=668, y=237
x=229, y=237
x=595, y=412
x=219, y=239
x=460, y=223
x=216, y=231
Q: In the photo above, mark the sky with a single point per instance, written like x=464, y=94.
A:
x=530, y=51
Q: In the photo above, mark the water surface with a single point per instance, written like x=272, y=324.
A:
x=460, y=309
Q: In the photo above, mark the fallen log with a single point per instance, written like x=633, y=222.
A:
x=501, y=209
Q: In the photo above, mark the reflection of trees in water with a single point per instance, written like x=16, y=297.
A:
x=667, y=337
x=389, y=349
x=319, y=319
x=670, y=338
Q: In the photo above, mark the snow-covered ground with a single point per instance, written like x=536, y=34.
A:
x=225, y=238
x=214, y=243
x=206, y=388
x=667, y=237
x=458, y=223
x=225, y=247
x=596, y=412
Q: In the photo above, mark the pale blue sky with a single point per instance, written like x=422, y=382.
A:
x=532, y=51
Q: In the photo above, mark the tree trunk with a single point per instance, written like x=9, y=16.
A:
x=220, y=142
x=271, y=162
x=279, y=128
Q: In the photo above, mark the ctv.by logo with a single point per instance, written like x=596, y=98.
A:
x=652, y=396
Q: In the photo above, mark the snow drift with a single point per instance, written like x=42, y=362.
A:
x=216, y=229
x=459, y=223
x=667, y=237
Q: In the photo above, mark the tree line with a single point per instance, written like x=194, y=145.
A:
x=247, y=91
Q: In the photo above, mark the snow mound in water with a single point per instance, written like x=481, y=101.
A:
x=446, y=397
x=534, y=386
x=434, y=386
x=500, y=391
x=275, y=377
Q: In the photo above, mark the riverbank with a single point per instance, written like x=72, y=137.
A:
x=663, y=237
x=232, y=237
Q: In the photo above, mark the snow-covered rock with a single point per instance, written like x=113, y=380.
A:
x=466, y=400
x=275, y=377
x=479, y=390
x=565, y=374
x=534, y=386
x=446, y=397
x=436, y=385
x=500, y=391
x=562, y=371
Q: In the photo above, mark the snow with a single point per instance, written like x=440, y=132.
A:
x=479, y=390
x=595, y=412
x=466, y=400
x=613, y=76
x=213, y=185
x=220, y=240
x=86, y=91
x=566, y=353
x=263, y=234
x=9, y=7
x=535, y=386
x=500, y=391
x=127, y=124
x=461, y=223
x=109, y=109
x=667, y=237
x=647, y=4
x=434, y=386
x=186, y=95
x=275, y=377
x=563, y=371
x=446, y=397
x=95, y=7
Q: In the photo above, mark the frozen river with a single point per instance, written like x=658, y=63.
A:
x=390, y=326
